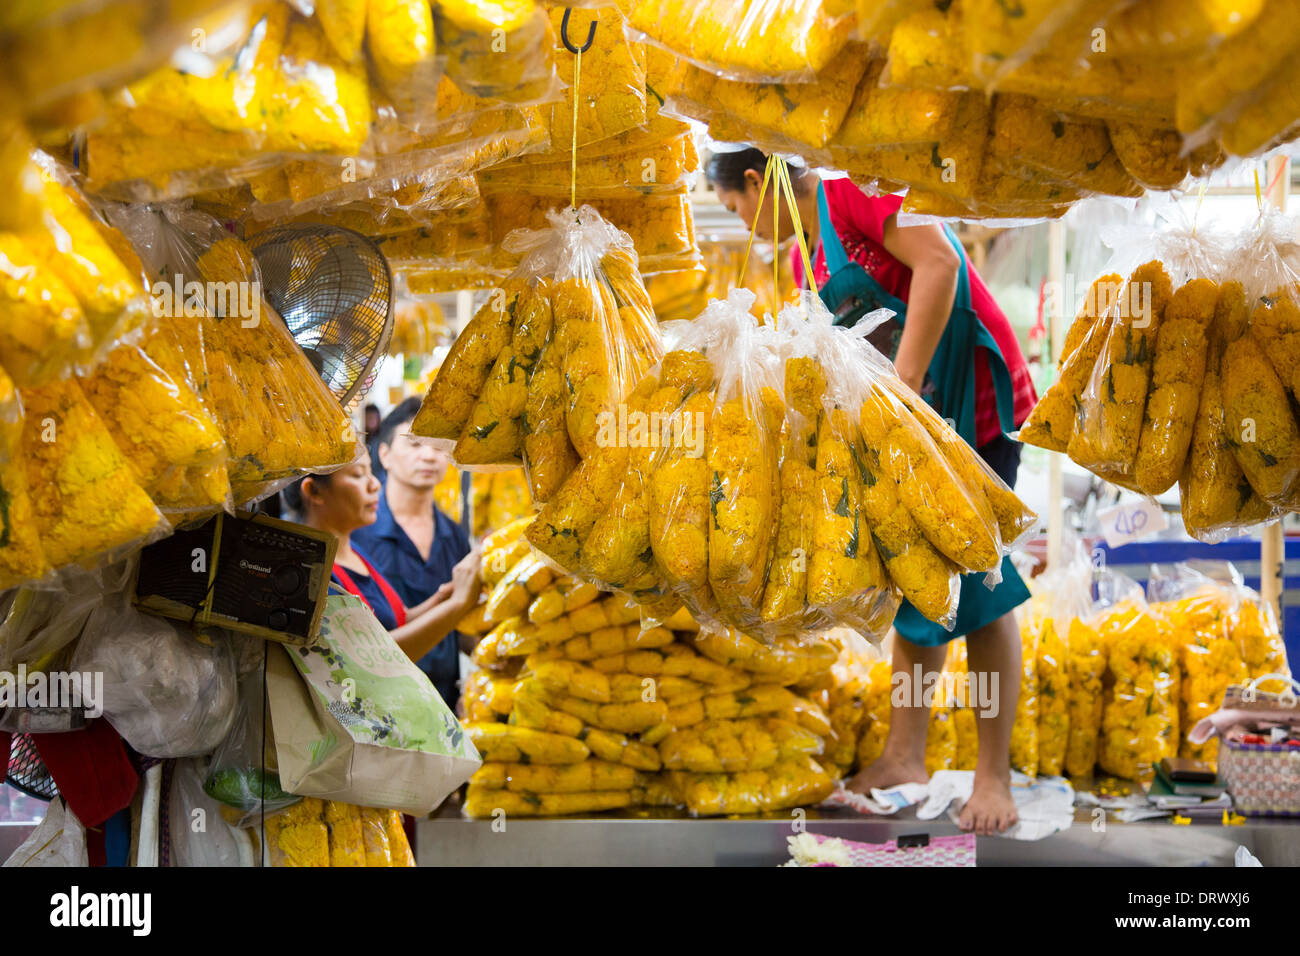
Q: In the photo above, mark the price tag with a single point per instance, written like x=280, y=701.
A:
x=1131, y=521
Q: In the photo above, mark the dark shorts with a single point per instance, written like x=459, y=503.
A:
x=978, y=605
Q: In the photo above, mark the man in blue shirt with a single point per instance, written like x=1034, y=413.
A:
x=413, y=544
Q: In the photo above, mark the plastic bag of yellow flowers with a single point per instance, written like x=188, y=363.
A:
x=283, y=90
x=780, y=479
x=540, y=371
x=1139, y=722
x=63, y=54
x=277, y=417
x=775, y=116
x=499, y=49
x=752, y=40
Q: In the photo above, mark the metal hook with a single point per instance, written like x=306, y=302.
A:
x=564, y=34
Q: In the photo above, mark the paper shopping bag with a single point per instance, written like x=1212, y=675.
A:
x=356, y=721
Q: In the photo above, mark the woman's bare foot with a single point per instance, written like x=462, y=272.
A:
x=990, y=808
x=887, y=772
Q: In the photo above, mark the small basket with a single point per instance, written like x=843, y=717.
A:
x=1264, y=779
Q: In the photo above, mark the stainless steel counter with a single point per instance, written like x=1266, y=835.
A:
x=662, y=838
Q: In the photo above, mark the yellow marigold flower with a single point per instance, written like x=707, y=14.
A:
x=401, y=45
x=1275, y=324
x=959, y=524
x=450, y=400
x=839, y=567
x=1053, y=700
x=760, y=40
x=299, y=839
x=787, y=783
x=494, y=432
x=1112, y=407
x=471, y=33
x=1064, y=146
x=344, y=23
x=66, y=242
x=618, y=551
x=1210, y=656
x=509, y=744
x=923, y=576
x=1243, y=61
x=1024, y=732
x=549, y=455
x=566, y=519
x=732, y=746
x=740, y=456
x=1013, y=518
x=1100, y=299
x=1177, y=376
x=21, y=556
x=611, y=89
x=886, y=115
x=508, y=498
x=1139, y=723
x=153, y=414
x=1213, y=489
x=1255, y=627
x=345, y=841
x=1087, y=665
x=680, y=504
x=85, y=501
x=1269, y=118
x=481, y=803
x=1153, y=157
x=42, y=327
x=1258, y=421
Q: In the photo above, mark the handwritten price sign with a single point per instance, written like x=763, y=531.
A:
x=1131, y=521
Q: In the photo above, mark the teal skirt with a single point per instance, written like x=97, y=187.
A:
x=977, y=606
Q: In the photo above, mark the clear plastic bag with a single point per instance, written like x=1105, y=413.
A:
x=658, y=168
x=166, y=693
x=277, y=416
x=59, y=51
x=86, y=503
x=42, y=327
x=284, y=90
x=243, y=771
x=58, y=840
x=21, y=556
x=612, y=85
x=498, y=50
x=1139, y=722
x=199, y=834
x=753, y=41
x=807, y=115
x=549, y=356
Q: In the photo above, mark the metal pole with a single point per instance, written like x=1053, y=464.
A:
x=1272, y=544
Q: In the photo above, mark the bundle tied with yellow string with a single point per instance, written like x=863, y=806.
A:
x=1184, y=374
x=780, y=479
x=551, y=351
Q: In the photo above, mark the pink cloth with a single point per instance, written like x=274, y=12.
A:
x=859, y=221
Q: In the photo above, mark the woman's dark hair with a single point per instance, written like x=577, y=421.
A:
x=727, y=170
x=293, y=493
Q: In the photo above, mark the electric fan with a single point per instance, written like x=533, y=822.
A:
x=27, y=771
x=333, y=288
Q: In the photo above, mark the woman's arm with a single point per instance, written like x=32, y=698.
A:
x=934, y=264
x=428, y=623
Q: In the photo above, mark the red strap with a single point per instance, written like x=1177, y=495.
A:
x=394, y=602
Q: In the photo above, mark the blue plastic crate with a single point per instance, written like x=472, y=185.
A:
x=1135, y=560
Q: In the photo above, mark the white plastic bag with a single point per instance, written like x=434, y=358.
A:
x=59, y=840
x=165, y=692
x=199, y=834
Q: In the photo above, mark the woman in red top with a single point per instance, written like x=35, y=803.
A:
x=348, y=499
x=978, y=379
